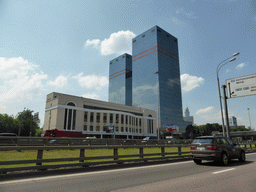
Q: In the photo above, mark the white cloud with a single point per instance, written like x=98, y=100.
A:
x=60, y=81
x=240, y=66
x=92, y=81
x=186, y=14
x=176, y=21
x=206, y=110
x=228, y=70
x=91, y=95
x=117, y=43
x=188, y=82
x=95, y=43
x=19, y=80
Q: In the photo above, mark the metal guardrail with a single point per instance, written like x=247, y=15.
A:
x=82, y=160
x=43, y=144
x=50, y=141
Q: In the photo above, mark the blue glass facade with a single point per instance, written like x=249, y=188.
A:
x=157, y=51
x=120, y=80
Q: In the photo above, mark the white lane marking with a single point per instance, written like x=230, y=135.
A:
x=223, y=171
x=89, y=173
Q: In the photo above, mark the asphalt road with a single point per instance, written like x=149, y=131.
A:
x=178, y=176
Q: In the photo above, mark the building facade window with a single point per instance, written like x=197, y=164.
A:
x=70, y=117
x=98, y=118
x=85, y=127
x=85, y=116
x=105, y=117
x=117, y=118
x=97, y=128
x=150, y=125
x=111, y=118
x=122, y=119
x=91, y=127
x=91, y=117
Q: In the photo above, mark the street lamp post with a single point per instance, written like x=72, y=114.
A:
x=249, y=117
x=217, y=70
x=157, y=92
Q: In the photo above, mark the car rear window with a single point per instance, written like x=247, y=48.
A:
x=201, y=140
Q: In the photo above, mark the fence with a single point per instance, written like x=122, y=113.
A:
x=44, y=141
x=42, y=144
x=82, y=160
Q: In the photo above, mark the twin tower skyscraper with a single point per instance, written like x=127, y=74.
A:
x=150, y=78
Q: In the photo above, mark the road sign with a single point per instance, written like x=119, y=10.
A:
x=241, y=86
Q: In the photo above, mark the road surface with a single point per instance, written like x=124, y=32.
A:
x=178, y=176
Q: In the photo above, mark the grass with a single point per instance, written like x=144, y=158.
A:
x=55, y=154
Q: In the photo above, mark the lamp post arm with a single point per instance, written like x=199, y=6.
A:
x=223, y=62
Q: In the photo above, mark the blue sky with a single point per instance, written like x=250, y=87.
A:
x=65, y=46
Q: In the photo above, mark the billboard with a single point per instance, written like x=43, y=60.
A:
x=171, y=127
x=241, y=86
x=110, y=129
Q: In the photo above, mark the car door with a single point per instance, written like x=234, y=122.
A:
x=228, y=147
x=235, y=148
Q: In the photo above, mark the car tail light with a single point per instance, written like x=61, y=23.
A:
x=213, y=147
x=192, y=147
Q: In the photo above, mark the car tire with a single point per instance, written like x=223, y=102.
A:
x=224, y=159
x=242, y=157
x=197, y=161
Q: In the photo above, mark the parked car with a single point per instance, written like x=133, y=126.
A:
x=149, y=140
x=216, y=148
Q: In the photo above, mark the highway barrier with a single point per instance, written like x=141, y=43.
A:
x=40, y=145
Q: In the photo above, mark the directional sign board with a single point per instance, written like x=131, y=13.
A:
x=241, y=86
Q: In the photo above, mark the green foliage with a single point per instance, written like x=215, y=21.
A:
x=240, y=129
x=38, y=132
x=201, y=130
x=24, y=122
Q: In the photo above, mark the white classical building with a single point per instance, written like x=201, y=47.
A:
x=92, y=117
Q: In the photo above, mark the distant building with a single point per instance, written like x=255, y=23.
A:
x=156, y=76
x=120, y=80
x=93, y=117
x=232, y=121
x=187, y=117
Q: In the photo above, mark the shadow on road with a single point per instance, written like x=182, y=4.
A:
x=63, y=171
x=232, y=163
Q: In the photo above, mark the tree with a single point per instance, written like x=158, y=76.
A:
x=39, y=132
x=27, y=123
x=8, y=124
x=189, y=134
x=207, y=129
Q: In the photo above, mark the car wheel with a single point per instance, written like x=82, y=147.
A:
x=242, y=157
x=224, y=159
x=197, y=161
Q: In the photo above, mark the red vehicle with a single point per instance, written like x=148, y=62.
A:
x=61, y=133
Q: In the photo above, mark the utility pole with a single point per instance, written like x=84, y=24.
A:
x=226, y=109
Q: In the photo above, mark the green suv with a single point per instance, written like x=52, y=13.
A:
x=219, y=149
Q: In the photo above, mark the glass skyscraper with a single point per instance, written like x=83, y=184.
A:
x=155, y=61
x=120, y=80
